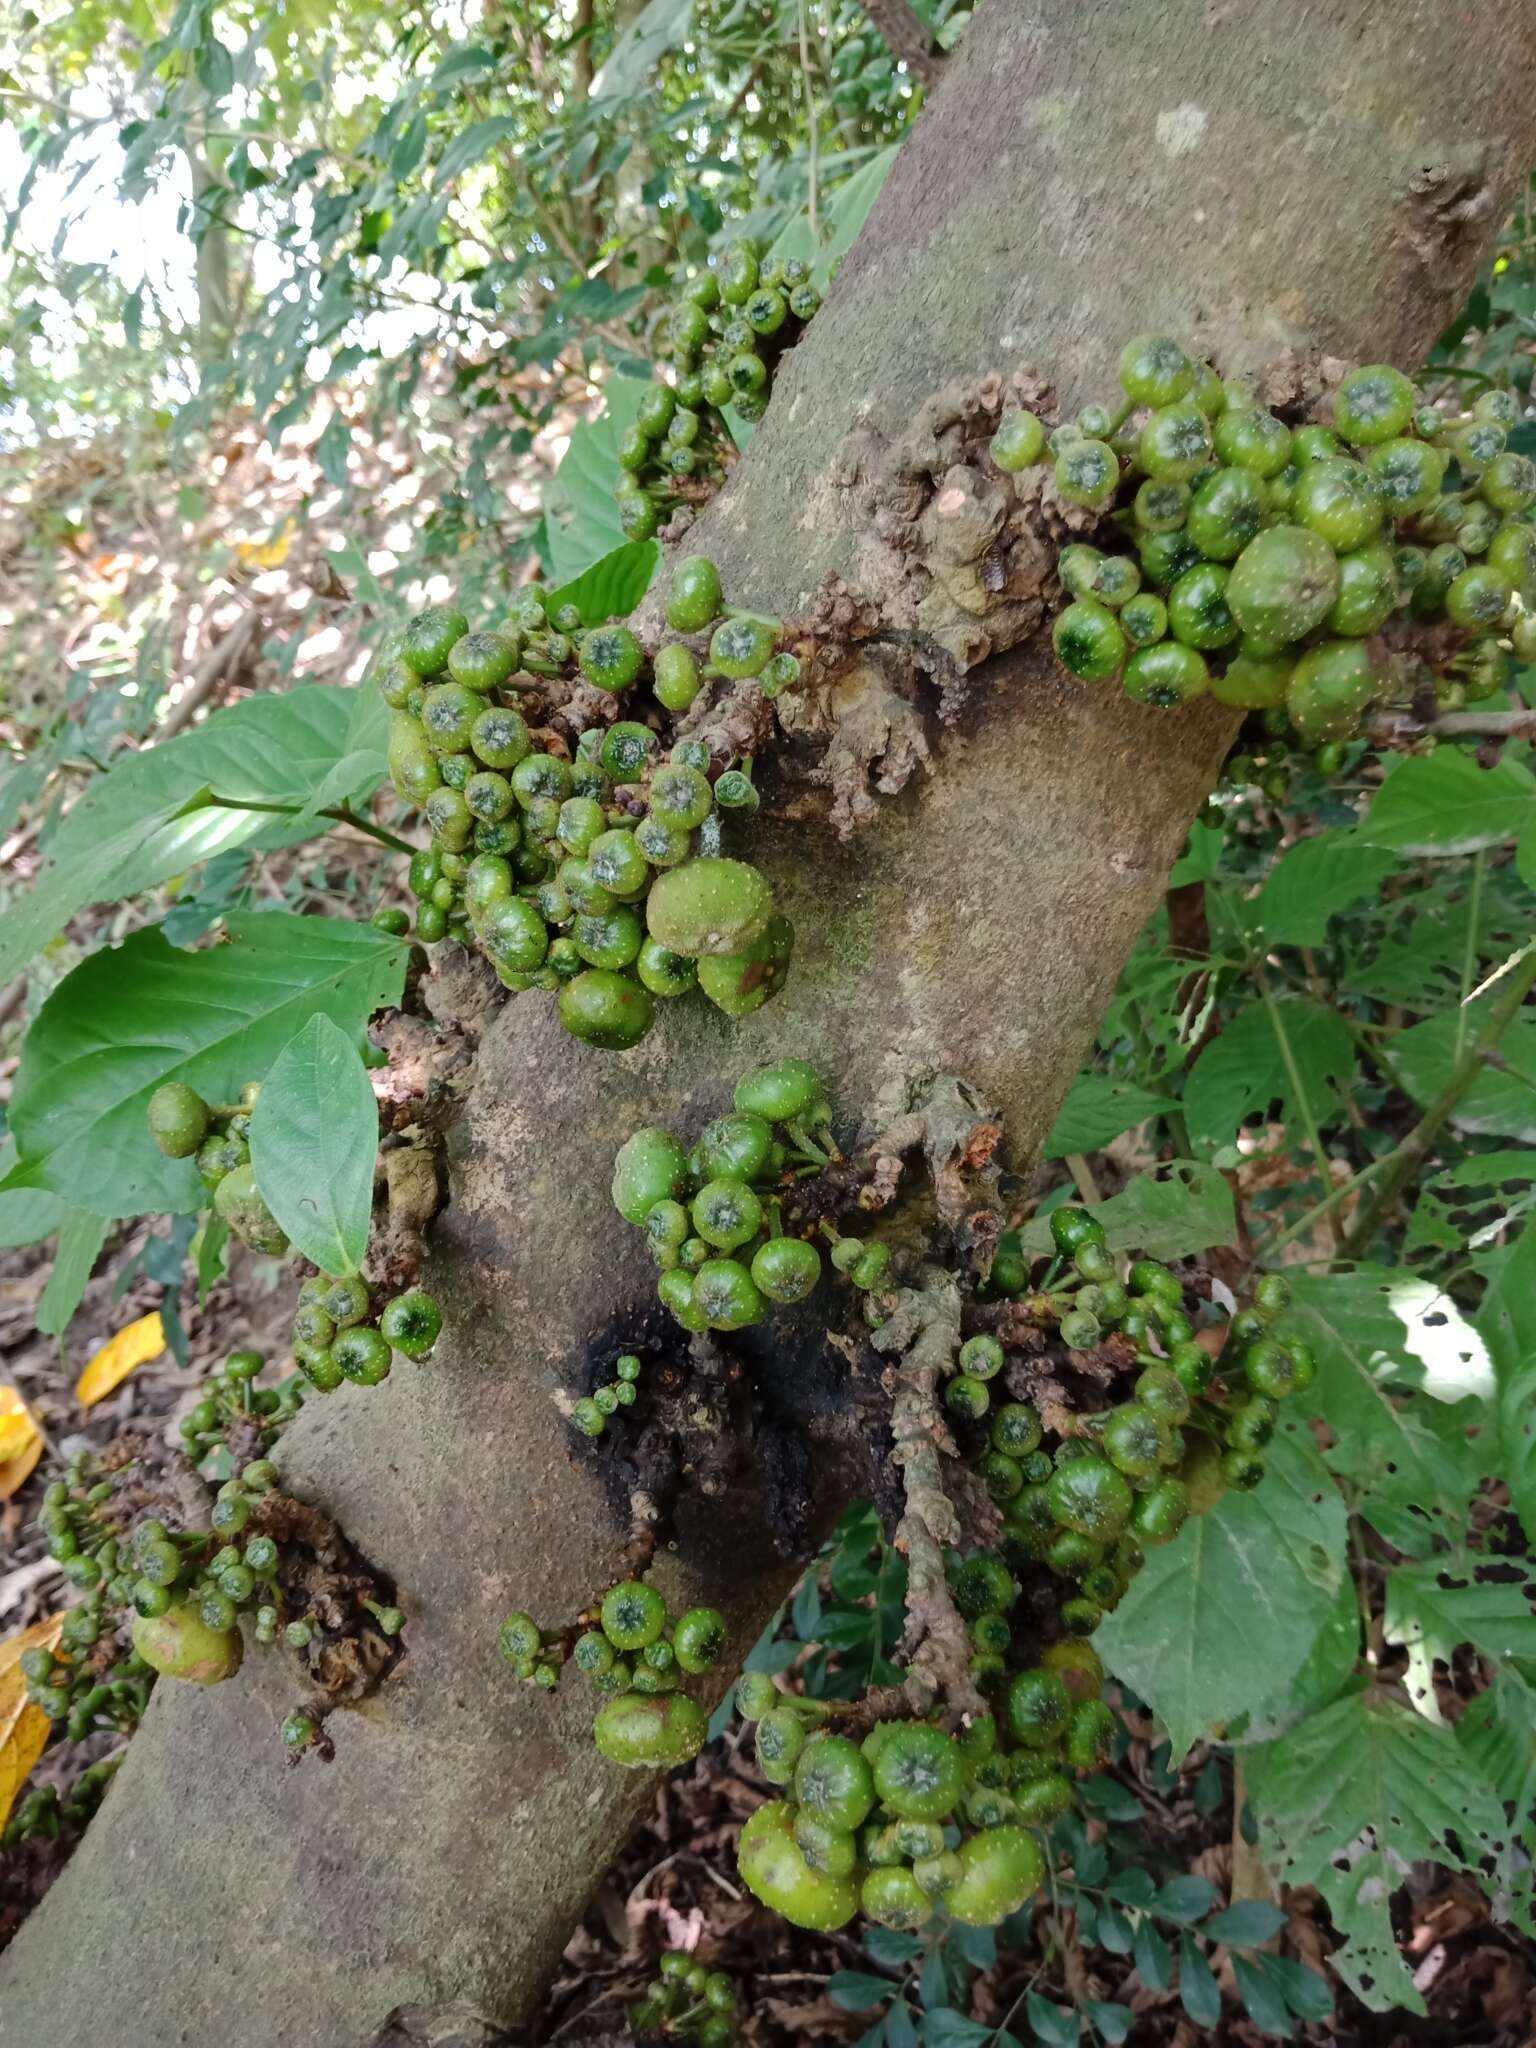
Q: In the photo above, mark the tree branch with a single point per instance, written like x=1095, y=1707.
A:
x=908, y=38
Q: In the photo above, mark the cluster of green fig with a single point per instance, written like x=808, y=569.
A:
x=339, y=1335
x=217, y=1136
x=601, y=878
x=178, y=1594
x=712, y=1214
x=687, y=2003
x=45, y=1813
x=727, y=328
x=590, y=1414
x=337, y=1332
x=229, y=1399
x=921, y=1813
x=1264, y=563
x=637, y=1655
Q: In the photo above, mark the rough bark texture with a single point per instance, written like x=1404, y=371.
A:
x=1248, y=173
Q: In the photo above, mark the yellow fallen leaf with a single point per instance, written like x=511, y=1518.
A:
x=42, y=1635
x=17, y=1429
x=15, y=1472
x=22, y=1745
x=271, y=554
x=118, y=1357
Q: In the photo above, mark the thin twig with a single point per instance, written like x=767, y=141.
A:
x=1416, y=1147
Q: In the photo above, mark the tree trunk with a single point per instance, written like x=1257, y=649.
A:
x=1226, y=169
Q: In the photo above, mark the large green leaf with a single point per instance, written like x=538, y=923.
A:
x=1242, y=1592
x=1444, y=803
x=1316, y=1682
x=631, y=64
x=1249, y=1067
x=81, y=1238
x=27, y=1215
x=1501, y=1101
x=1443, y=1602
x=314, y=1138
x=151, y=816
x=1178, y=1210
x=1497, y=1733
x=1401, y=1381
x=580, y=512
x=1314, y=881
x=138, y=1014
x=612, y=587
x=1349, y=1802
x=1507, y=1323
x=843, y=213
x=1098, y=1109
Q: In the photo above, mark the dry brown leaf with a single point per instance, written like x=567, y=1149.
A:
x=119, y=1356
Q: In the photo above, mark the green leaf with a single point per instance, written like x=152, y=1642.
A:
x=1313, y=882
x=81, y=1238
x=314, y=1139
x=1435, y=1606
x=659, y=27
x=1245, y=1923
x=150, y=816
x=1245, y=1070
x=1507, y=1323
x=843, y=214
x=1241, y=1592
x=855, y=1991
x=612, y=587
x=1098, y=1109
x=1304, y=1991
x=1497, y=1733
x=581, y=515
x=470, y=145
x=1501, y=1102
x=1445, y=803
x=142, y=1013
x=1112, y=2022
x=1349, y=1802
x=1263, y=2003
x=1185, y=1899
x=1400, y=1382
x=331, y=451
x=212, y=1250
x=1153, y=1958
x=1182, y=1208
x=1052, y=2024
x=27, y=1216
x=1199, y=1993
x=1316, y=1682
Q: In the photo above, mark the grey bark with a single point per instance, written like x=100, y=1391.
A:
x=907, y=37
x=1257, y=175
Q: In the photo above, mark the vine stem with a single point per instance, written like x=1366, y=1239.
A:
x=339, y=814
x=1303, y=1103
x=1402, y=1163
x=812, y=166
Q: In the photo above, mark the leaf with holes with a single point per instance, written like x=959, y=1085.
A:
x=1498, y=1734
x=1387, y=1385
x=1443, y=1602
x=1240, y=1592
x=1290, y=1056
x=136, y=1015
x=1349, y=1802
x=1501, y=1102
x=1507, y=1321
